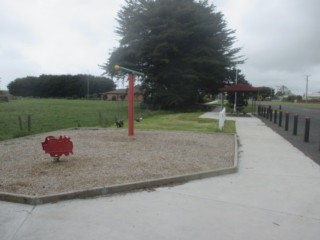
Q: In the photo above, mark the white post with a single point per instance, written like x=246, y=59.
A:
x=222, y=118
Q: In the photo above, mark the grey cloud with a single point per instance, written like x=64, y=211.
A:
x=286, y=39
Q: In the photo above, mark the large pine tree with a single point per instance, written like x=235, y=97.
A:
x=183, y=46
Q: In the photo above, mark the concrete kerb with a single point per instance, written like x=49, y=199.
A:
x=102, y=191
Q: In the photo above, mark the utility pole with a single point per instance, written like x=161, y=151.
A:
x=0, y=83
x=307, y=80
x=235, y=94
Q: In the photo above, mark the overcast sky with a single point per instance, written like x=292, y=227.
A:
x=279, y=38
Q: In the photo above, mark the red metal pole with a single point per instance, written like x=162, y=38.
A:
x=131, y=105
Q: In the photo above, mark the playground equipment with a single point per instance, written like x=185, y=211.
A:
x=57, y=147
x=130, y=96
x=119, y=119
x=119, y=123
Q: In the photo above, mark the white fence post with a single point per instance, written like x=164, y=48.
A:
x=222, y=118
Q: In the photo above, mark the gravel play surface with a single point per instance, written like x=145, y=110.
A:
x=104, y=157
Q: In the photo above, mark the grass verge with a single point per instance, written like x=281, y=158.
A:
x=301, y=105
x=184, y=122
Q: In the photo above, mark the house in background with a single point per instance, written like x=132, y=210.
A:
x=314, y=96
x=122, y=94
x=4, y=96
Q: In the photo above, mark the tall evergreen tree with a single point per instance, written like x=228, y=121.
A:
x=183, y=46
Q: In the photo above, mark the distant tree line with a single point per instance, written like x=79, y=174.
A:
x=60, y=86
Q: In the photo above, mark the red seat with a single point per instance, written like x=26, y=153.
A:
x=57, y=147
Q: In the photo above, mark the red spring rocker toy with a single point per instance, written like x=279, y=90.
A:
x=57, y=147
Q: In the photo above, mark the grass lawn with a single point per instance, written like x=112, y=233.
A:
x=184, y=122
x=53, y=114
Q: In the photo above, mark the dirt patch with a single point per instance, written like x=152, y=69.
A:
x=104, y=157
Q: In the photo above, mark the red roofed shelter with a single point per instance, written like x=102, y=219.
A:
x=240, y=87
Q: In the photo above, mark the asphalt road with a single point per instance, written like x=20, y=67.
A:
x=311, y=148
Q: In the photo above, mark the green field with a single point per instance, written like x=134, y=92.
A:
x=52, y=114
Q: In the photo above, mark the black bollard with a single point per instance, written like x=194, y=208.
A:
x=286, y=126
x=280, y=118
x=295, y=124
x=270, y=115
x=275, y=116
x=307, y=130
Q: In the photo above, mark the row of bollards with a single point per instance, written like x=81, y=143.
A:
x=276, y=117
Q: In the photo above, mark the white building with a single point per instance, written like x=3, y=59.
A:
x=314, y=95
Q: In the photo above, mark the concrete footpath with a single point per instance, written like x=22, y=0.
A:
x=274, y=195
